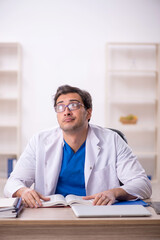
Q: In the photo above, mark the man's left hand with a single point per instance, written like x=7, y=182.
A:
x=102, y=198
x=110, y=196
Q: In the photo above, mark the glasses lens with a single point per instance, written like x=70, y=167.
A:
x=74, y=106
x=60, y=108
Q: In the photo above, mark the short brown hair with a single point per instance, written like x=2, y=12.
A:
x=64, y=89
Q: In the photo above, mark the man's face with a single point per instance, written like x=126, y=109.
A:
x=71, y=121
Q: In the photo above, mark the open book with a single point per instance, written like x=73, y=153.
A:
x=60, y=200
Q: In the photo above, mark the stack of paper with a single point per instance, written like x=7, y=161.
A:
x=10, y=207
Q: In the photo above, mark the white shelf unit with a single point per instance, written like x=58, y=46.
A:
x=10, y=59
x=133, y=88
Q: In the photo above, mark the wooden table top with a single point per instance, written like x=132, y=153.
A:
x=65, y=216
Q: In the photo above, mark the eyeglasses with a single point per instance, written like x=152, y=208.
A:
x=71, y=106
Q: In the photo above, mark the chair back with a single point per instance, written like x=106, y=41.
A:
x=120, y=134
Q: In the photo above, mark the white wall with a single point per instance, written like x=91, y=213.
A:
x=64, y=42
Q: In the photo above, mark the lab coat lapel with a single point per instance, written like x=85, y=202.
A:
x=53, y=159
x=92, y=151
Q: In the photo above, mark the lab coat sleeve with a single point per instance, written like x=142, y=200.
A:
x=23, y=174
x=131, y=173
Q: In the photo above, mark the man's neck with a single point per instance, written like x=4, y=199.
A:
x=76, y=139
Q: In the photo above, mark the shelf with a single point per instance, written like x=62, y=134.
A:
x=133, y=71
x=9, y=98
x=135, y=128
x=127, y=101
x=9, y=57
x=132, y=57
x=9, y=44
x=9, y=86
x=10, y=60
x=146, y=155
x=8, y=72
x=133, y=88
x=128, y=44
x=8, y=152
x=9, y=125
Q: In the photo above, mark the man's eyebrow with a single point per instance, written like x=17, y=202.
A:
x=71, y=100
x=59, y=102
x=74, y=100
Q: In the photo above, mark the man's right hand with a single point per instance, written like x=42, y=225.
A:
x=30, y=197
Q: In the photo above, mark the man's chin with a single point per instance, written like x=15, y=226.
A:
x=68, y=128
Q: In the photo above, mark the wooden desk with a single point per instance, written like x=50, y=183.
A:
x=61, y=223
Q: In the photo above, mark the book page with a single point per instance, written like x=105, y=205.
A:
x=55, y=200
x=74, y=199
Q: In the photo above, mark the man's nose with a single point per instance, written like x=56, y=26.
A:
x=67, y=111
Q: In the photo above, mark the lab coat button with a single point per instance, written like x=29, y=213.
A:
x=91, y=168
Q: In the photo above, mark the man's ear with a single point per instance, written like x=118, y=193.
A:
x=89, y=113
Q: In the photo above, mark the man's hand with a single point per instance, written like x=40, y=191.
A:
x=103, y=198
x=30, y=197
x=109, y=197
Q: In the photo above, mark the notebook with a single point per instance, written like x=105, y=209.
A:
x=110, y=211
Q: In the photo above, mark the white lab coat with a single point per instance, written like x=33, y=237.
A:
x=108, y=161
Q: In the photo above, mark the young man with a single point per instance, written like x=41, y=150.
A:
x=77, y=158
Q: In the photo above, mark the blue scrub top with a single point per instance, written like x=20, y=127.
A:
x=71, y=178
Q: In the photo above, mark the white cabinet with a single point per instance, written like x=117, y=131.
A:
x=9, y=104
x=133, y=88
